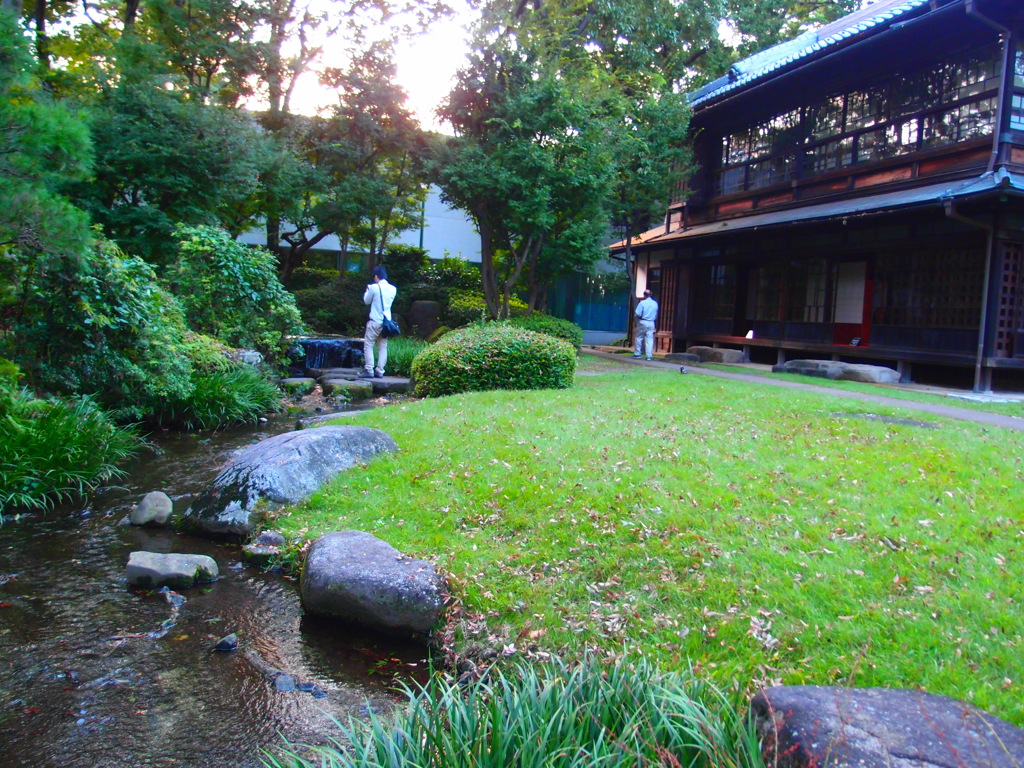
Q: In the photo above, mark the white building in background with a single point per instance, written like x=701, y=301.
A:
x=445, y=232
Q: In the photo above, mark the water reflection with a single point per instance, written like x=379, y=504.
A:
x=81, y=685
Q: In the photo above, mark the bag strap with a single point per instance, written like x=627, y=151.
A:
x=384, y=312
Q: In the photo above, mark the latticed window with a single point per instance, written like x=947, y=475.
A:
x=716, y=291
x=951, y=102
x=790, y=291
x=934, y=288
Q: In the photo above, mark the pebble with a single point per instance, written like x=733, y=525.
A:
x=284, y=683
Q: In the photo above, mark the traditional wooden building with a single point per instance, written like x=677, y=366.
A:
x=860, y=196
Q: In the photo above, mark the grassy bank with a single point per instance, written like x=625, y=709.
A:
x=760, y=535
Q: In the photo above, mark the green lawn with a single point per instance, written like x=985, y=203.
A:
x=760, y=535
x=1015, y=408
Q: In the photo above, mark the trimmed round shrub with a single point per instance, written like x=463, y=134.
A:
x=493, y=356
x=539, y=322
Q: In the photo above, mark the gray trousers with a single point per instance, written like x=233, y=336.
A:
x=644, y=335
x=370, y=338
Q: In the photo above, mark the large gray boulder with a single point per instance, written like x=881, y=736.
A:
x=717, y=354
x=424, y=317
x=839, y=371
x=809, y=726
x=280, y=470
x=151, y=570
x=359, y=578
x=154, y=509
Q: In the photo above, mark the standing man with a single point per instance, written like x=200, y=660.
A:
x=379, y=296
x=646, y=315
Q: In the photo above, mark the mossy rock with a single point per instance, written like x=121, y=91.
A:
x=358, y=389
x=438, y=333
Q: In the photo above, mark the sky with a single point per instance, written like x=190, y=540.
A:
x=426, y=68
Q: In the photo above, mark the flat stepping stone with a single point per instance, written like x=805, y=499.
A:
x=390, y=385
x=839, y=371
x=354, y=389
x=717, y=354
x=333, y=373
x=151, y=570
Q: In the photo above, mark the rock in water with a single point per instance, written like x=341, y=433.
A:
x=227, y=643
x=154, y=509
x=804, y=726
x=284, y=469
x=357, y=577
x=150, y=570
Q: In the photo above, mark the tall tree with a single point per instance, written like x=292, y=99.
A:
x=41, y=144
x=164, y=158
x=527, y=161
x=364, y=181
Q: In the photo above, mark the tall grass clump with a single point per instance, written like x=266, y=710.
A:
x=220, y=398
x=491, y=356
x=57, y=451
x=401, y=352
x=552, y=716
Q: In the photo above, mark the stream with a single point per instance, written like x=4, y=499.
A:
x=87, y=682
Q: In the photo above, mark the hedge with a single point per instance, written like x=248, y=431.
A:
x=493, y=356
x=539, y=322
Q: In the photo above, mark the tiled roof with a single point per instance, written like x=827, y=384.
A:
x=931, y=195
x=877, y=15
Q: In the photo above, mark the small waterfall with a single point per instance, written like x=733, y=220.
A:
x=332, y=353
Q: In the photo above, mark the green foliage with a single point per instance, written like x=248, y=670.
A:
x=206, y=353
x=628, y=715
x=305, y=278
x=404, y=263
x=220, y=398
x=493, y=356
x=41, y=146
x=552, y=326
x=102, y=326
x=164, y=159
x=57, y=451
x=335, y=307
x=401, y=352
x=231, y=292
x=465, y=307
x=452, y=274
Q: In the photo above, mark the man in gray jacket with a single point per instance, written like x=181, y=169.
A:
x=646, y=315
x=379, y=295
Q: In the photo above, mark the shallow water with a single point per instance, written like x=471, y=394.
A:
x=82, y=682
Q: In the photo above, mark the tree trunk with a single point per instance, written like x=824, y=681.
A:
x=487, y=276
x=631, y=273
x=131, y=12
x=296, y=254
x=42, y=43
